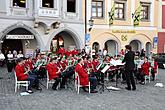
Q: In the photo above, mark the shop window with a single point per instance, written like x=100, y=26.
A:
x=145, y=12
x=19, y=3
x=57, y=42
x=97, y=9
x=71, y=6
x=120, y=10
x=48, y=3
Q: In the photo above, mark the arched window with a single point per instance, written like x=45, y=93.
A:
x=19, y=3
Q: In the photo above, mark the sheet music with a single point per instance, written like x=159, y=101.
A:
x=116, y=62
x=105, y=68
x=99, y=66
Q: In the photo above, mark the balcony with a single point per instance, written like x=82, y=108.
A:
x=48, y=12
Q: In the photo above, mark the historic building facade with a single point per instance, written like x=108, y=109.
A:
x=114, y=37
x=46, y=24
x=161, y=33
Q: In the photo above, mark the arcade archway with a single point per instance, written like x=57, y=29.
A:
x=112, y=47
x=63, y=39
x=19, y=39
x=148, y=48
x=136, y=45
x=96, y=46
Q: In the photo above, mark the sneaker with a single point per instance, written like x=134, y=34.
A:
x=94, y=91
x=127, y=88
x=30, y=91
x=39, y=88
x=134, y=88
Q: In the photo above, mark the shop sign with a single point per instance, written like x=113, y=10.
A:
x=124, y=31
x=155, y=41
x=124, y=37
x=87, y=38
x=19, y=36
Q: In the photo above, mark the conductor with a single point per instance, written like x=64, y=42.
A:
x=129, y=67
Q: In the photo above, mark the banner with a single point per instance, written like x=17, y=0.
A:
x=136, y=16
x=112, y=15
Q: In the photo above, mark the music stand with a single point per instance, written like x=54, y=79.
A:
x=117, y=64
x=103, y=86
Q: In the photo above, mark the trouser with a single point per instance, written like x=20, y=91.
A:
x=33, y=81
x=97, y=75
x=142, y=77
x=9, y=66
x=57, y=81
x=153, y=74
x=2, y=62
x=130, y=78
x=93, y=82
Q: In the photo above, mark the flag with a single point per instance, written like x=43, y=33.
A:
x=112, y=15
x=136, y=16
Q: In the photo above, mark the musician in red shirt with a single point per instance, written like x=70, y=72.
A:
x=61, y=51
x=29, y=63
x=95, y=63
x=23, y=75
x=144, y=69
x=83, y=76
x=54, y=72
x=154, y=69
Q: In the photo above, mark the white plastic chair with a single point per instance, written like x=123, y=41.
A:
x=157, y=73
x=78, y=85
x=148, y=76
x=20, y=83
x=48, y=80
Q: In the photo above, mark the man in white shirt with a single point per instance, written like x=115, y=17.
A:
x=20, y=55
x=2, y=59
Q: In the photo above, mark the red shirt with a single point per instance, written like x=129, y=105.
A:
x=52, y=71
x=29, y=63
x=19, y=69
x=61, y=51
x=95, y=64
x=145, y=68
x=83, y=75
x=155, y=67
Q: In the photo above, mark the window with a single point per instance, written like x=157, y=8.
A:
x=48, y=3
x=119, y=10
x=145, y=15
x=71, y=6
x=19, y=3
x=97, y=9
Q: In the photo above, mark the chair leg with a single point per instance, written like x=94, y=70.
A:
x=47, y=85
x=145, y=80
x=27, y=87
x=78, y=89
x=89, y=88
x=15, y=88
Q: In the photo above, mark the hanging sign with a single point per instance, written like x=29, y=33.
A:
x=19, y=36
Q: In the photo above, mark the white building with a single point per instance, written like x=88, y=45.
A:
x=46, y=24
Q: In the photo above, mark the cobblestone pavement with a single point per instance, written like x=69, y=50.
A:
x=146, y=97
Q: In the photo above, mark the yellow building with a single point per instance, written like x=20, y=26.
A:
x=114, y=37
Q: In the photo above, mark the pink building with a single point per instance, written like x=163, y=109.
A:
x=161, y=33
